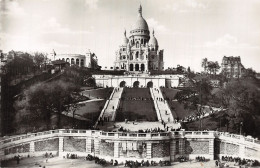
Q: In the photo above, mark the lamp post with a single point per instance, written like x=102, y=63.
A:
x=240, y=128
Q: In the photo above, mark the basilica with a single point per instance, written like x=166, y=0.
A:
x=139, y=55
x=140, y=52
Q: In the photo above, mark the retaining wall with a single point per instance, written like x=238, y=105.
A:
x=131, y=146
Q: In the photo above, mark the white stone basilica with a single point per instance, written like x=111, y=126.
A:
x=139, y=53
x=139, y=56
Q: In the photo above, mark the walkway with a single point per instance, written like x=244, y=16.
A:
x=161, y=106
x=109, y=110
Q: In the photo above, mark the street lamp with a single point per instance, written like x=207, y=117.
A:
x=240, y=128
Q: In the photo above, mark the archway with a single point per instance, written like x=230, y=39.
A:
x=81, y=62
x=150, y=84
x=136, y=84
x=72, y=61
x=77, y=61
x=131, y=67
x=142, y=67
x=122, y=84
x=68, y=60
x=136, y=67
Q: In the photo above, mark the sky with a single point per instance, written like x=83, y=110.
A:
x=187, y=30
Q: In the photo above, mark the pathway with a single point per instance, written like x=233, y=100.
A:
x=109, y=110
x=161, y=106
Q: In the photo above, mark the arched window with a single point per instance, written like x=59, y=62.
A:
x=63, y=59
x=137, y=55
x=136, y=67
x=82, y=62
x=142, y=67
x=68, y=60
x=137, y=44
x=77, y=61
x=72, y=61
x=131, y=68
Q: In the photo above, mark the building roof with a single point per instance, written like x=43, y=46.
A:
x=153, y=41
x=141, y=22
x=231, y=58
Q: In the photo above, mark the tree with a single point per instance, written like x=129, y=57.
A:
x=43, y=100
x=39, y=59
x=213, y=67
x=242, y=99
x=195, y=98
x=204, y=64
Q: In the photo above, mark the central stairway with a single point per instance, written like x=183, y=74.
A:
x=162, y=108
x=109, y=110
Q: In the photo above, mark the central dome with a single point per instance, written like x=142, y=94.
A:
x=141, y=22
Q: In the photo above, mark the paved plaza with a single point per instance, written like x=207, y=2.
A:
x=57, y=162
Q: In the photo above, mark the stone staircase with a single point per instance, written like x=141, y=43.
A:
x=161, y=106
x=112, y=104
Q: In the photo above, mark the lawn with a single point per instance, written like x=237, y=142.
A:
x=91, y=110
x=169, y=93
x=136, y=104
x=136, y=93
x=178, y=110
x=102, y=93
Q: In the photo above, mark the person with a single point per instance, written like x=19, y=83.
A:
x=216, y=163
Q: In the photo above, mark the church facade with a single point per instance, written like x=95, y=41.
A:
x=140, y=52
x=138, y=55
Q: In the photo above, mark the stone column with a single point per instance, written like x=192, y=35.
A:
x=211, y=148
x=32, y=148
x=96, y=147
x=88, y=145
x=181, y=146
x=172, y=149
x=60, y=146
x=116, y=149
x=149, y=150
x=242, y=146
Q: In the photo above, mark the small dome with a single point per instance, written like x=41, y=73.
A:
x=140, y=23
x=125, y=39
x=153, y=41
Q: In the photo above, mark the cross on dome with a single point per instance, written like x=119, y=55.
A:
x=140, y=10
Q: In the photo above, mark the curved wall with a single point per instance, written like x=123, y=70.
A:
x=131, y=146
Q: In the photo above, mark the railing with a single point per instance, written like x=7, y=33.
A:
x=116, y=135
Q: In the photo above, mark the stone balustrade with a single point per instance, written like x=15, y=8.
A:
x=126, y=145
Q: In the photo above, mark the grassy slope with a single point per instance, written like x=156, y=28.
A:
x=102, y=93
x=136, y=109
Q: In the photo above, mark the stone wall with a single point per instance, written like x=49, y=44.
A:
x=47, y=145
x=232, y=149
x=106, y=148
x=160, y=149
x=73, y=144
x=250, y=152
x=128, y=151
x=196, y=147
x=17, y=149
x=142, y=146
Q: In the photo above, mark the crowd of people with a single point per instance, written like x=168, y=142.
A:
x=131, y=163
x=238, y=161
